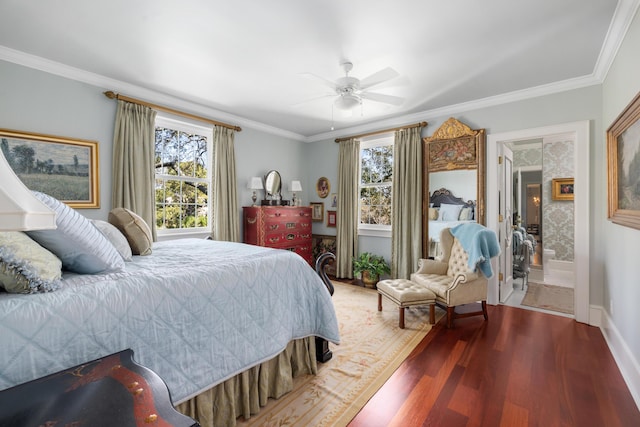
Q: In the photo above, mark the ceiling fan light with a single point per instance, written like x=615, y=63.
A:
x=347, y=102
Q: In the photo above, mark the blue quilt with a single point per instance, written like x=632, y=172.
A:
x=480, y=243
x=195, y=311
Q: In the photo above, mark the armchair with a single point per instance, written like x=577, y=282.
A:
x=451, y=279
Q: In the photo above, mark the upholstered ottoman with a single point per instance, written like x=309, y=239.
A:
x=406, y=293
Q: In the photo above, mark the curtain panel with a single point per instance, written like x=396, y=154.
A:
x=226, y=218
x=347, y=212
x=406, y=203
x=133, y=168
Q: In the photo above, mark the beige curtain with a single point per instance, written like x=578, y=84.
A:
x=133, y=168
x=226, y=216
x=406, y=203
x=347, y=212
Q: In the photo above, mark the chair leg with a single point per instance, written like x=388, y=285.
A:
x=450, y=313
x=484, y=310
x=401, y=317
x=379, y=302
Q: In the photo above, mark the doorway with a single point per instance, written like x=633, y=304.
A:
x=579, y=132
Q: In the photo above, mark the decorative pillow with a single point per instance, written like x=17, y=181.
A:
x=134, y=228
x=116, y=238
x=25, y=266
x=466, y=214
x=77, y=242
x=433, y=214
x=449, y=212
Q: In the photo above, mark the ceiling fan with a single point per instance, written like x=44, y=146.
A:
x=351, y=92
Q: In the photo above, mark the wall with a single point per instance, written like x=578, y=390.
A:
x=557, y=215
x=35, y=101
x=618, y=245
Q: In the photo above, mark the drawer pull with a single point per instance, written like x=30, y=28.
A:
x=291, y=236
x=273, y=227
x=251, y=220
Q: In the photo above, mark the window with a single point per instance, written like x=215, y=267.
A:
x=376, y=179
x=183, y=159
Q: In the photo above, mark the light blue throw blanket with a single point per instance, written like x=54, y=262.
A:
x=480, y=243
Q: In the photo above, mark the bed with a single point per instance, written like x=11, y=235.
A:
x=226, y=325
x=446, y=211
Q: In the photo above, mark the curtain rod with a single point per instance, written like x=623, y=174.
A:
x=378, y=132
x=112, y=95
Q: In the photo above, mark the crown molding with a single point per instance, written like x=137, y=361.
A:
x=620, y=22
x=83, y=76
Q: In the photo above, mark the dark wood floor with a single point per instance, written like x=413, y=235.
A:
x=521, y=368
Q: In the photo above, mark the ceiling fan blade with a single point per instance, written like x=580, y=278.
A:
x=378, y=77
x=379, y=97
x=324, y=81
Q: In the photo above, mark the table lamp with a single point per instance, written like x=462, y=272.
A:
x=255, y=183
x=20, y=210
x=293, y=187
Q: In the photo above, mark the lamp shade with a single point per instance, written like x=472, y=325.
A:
x=255, y=183
x=19, y=209
x=347, y=102
x=295, y=186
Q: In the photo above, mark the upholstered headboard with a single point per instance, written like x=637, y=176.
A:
x=444, y=196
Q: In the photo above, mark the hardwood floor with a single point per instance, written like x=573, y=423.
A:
x=521, y=368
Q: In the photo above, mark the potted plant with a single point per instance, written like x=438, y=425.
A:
x=370, y=267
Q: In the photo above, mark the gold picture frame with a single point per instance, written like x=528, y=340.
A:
x=323, y=187
x=623, y=161
x=64, y=168
x=317, y=211
x=562, y=189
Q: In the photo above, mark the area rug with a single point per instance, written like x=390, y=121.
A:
x=372, y=347
x=549, y=297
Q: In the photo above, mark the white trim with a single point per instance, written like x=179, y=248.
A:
x=624, y=357
x=580, y=132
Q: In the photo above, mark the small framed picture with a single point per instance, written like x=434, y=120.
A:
x=323, y=186
x=331, y=218
x=317, y=211
x=334, y=200
x=562, y=189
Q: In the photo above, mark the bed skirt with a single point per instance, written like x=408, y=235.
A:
x=244, y=394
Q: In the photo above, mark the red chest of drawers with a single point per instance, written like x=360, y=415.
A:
x=282, y=227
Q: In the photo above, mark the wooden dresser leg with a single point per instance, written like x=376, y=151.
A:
x=484, y=310
x=432, y=314
x=379, y=302
x=401, y=315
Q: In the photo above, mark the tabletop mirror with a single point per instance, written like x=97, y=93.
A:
x=272, y=189
x=453, y=181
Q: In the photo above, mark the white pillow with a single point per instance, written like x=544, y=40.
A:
x=25, y=266
x=81, y=247
x=116, y=238
x=449, y=212
x=465, y=214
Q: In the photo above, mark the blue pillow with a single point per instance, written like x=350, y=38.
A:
x=81, y=247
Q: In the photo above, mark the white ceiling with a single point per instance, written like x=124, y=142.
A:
x=244, y=61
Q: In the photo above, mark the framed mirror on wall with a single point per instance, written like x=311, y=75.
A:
x=453, y=181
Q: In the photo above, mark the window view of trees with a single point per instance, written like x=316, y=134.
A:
x=376, y=168
x=182, y=179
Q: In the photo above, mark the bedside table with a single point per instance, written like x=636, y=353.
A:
x=107, y=392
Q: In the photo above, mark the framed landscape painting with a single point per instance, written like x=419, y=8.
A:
x=64, y=168
x=623, y=158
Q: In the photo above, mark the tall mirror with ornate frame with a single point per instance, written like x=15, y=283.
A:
x=453, y=182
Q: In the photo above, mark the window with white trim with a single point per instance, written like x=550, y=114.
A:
x=183, y=165
x=376, y=180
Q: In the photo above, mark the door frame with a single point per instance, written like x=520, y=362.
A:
x=581, y=136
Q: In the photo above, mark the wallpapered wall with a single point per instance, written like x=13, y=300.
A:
x=556, y=160
x=557, y=216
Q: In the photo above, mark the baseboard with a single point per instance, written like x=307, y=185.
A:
x=625, y=359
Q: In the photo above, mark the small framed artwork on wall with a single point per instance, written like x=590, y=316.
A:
x=562, y=189
x=331, y=218
x=317, y=211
